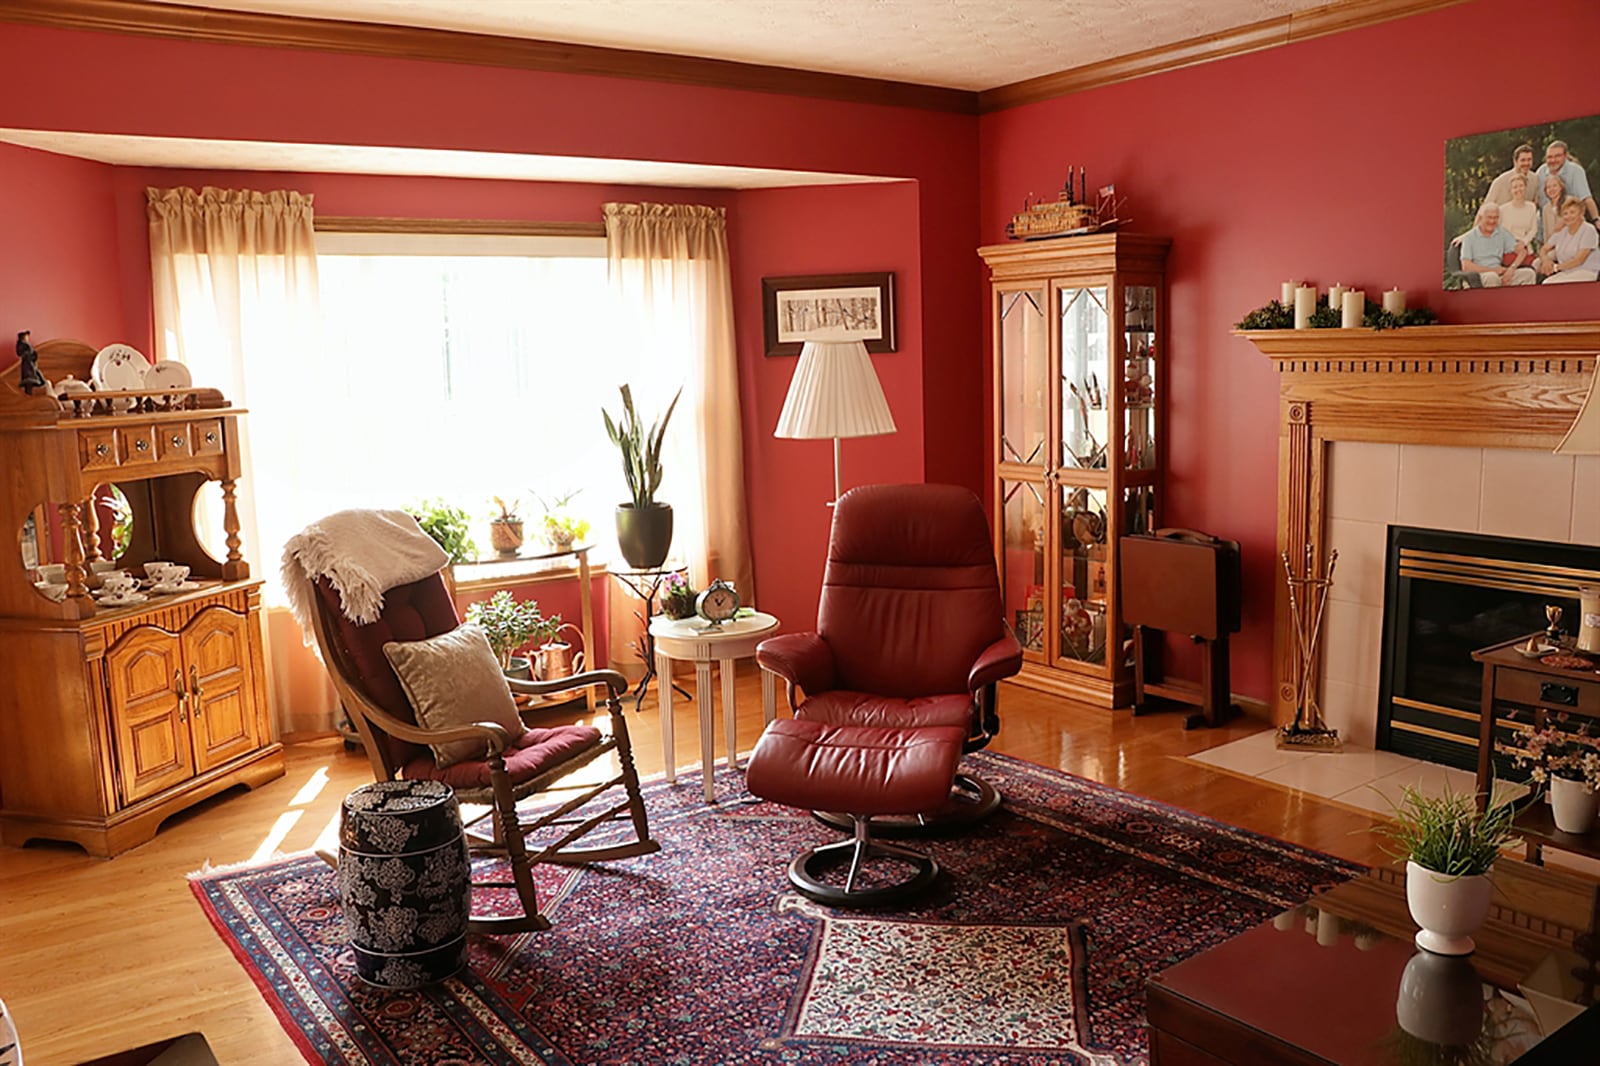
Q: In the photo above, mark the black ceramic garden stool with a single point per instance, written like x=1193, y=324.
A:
x=403, y=880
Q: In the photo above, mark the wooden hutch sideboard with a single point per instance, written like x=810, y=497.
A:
x=114, y=718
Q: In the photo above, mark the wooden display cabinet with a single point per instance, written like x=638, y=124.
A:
x=113, y=719
x=1079, y=365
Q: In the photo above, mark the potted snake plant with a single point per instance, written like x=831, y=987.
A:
x=644, y=524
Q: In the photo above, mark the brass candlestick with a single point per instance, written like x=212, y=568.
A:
x=1308, y=601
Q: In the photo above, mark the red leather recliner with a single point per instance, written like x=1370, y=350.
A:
x=910, y=642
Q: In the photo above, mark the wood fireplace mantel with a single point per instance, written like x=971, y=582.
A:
x=1515, y=385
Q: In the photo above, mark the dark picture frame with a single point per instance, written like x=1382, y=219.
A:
x=828, y=307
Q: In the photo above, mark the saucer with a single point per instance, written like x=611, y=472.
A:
x=126, y=599
x=1544, y=649
x=168, y=590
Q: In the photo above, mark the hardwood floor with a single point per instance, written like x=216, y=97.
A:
x=101, y=955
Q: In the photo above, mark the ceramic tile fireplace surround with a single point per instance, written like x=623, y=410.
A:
x=1418, y=436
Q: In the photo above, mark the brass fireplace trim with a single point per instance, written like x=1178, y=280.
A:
x=1508, y=575
x=1511, y=385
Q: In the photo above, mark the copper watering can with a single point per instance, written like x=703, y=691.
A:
x=557, y=659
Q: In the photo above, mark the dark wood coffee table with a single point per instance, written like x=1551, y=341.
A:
x=1338, y=980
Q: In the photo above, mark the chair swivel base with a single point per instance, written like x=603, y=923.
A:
x=805, y=872
x=972, y=799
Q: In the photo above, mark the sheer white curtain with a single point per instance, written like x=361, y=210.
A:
x=235, y=288
x=669, y=271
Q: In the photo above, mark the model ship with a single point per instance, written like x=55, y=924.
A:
x=1069, y=214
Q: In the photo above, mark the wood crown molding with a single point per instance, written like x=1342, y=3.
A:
x=450, y=46
x=1331, y=18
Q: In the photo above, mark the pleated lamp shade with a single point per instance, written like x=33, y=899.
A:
x=1584, y=436
x=834, y=393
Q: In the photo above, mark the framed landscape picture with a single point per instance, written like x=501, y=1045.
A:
x=828, y=307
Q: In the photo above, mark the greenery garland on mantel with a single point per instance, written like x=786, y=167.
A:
x=1276, y=316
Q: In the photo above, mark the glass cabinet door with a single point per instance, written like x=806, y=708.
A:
x=1022, y=561
x=1139, y=382
x=1085, y=574
x=1084, y=378
x=1024, y=374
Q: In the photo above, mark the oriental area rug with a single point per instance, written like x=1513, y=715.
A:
x=1033, y=948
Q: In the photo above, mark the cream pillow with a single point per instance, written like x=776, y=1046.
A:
x=452, y=680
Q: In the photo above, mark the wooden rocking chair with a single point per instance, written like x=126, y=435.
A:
x=509, y=772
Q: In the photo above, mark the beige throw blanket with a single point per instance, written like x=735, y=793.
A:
x=363, y=554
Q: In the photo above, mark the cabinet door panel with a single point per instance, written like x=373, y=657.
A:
x=148, y=718
x=216, y=649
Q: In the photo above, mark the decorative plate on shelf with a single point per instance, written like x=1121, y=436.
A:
x=168, y=375
x=1537, y=652
x=118, y=366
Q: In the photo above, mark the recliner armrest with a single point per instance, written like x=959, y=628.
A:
x=999, y=660
x=802, y=659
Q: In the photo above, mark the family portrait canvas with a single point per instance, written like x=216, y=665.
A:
x=1519, y=206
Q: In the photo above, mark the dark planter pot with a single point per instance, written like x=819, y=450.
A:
x=521, y=669
x=644, y=536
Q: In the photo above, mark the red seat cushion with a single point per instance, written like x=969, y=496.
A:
x=538, y=750
x=842, y=707
x=854, y=769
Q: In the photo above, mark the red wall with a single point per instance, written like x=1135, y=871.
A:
x=58, y=257
x=820, y=230
x=925, y=229
x=1323, y=161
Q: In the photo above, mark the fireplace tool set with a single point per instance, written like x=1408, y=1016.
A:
x=1308, y=600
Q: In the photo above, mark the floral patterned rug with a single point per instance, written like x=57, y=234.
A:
x=1033, y=948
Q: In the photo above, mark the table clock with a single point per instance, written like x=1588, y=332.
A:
x=718, y=603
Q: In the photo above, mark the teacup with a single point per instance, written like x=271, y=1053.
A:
x=54, y=573
x=118, y=582
x=155, y=568
x=54, y=591
x=172, y=577
x=101, y=566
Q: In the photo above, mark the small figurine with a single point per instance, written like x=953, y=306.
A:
x=31, y=378
x=1553, y=612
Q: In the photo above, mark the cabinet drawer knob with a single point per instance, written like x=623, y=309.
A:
x=141, y=445
x=211, y=438
x=1551, y=692
x=177, y=440
x=102, y=449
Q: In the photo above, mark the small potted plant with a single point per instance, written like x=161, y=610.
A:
x=562, y=528
x=677, y=597
x=509, y=623
x=449, y=528
x=505, y=528
x=644, y=525
x=1565, y=759
x=1449, y=846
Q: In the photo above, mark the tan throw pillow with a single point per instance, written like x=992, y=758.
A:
x=454, y=679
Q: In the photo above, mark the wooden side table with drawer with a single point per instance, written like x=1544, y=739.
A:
x=1513, y=682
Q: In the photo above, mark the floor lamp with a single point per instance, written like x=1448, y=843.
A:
x=834, y=394
x=1584, y=439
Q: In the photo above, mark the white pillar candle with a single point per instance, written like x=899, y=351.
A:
x=1289, y=287
x=1305, y=302
x=1328, y=929
x=1335, y=295
x=1394, y=301
x=1355, y=308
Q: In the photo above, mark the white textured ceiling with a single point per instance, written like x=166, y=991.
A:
x=961, y=44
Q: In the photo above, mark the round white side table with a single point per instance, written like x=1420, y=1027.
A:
x=696, y=640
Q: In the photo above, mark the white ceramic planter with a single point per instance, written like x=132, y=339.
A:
x=1572, y=805
x=1448, y=909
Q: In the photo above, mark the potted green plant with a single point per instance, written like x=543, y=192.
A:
x=1449, y=846
x=644, y=525
x=505, y=528
x=562, y=528
x=448, y=526
x=509, y=623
